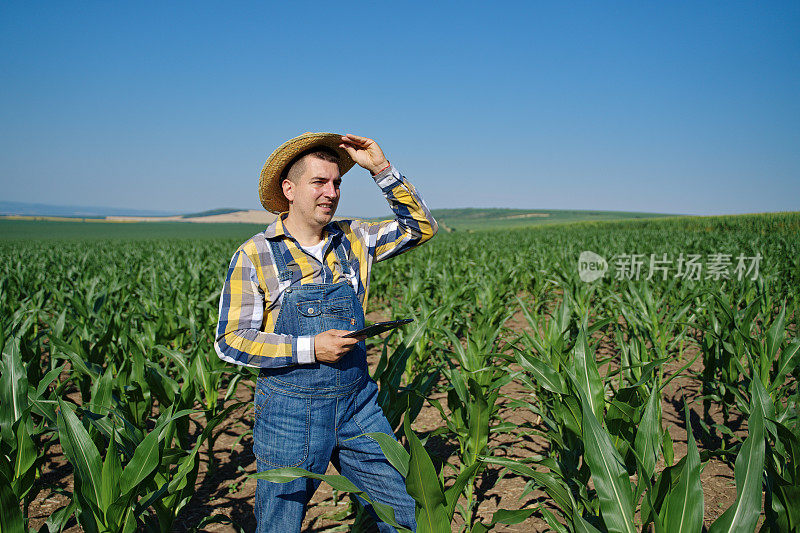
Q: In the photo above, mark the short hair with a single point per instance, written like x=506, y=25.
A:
x=296, y=166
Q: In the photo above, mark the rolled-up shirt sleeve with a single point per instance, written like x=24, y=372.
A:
x=413, y=223
x=240, y=338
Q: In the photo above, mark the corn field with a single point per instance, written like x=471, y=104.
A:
x=609, y=405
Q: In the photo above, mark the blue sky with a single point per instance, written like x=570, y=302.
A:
x=680, y=107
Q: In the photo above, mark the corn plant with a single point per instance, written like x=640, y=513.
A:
x=571, y=399
x=393, y=395
x=107, y=494
x=654, y=318
x=475, y=379
x=139, y=470
x=22, y=444
x=768, y=362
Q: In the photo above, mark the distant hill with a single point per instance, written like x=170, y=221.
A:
x=211, y=212
x=496, y=218
x=449, y=219
x=74, y=211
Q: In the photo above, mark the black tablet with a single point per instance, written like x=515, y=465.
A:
x=378, y=328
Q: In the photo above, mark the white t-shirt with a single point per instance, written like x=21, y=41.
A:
x=315, y=250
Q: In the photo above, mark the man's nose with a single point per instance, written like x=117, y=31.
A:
x=329, y=190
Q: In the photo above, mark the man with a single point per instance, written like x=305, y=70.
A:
x=290, y=295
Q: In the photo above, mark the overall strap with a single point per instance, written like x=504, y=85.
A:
x=342, y=256
x=284, y=274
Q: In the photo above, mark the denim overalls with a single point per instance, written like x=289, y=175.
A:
x=305, y=414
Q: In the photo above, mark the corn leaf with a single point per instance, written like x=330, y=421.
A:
x=11, y=517
x=587, y=375
x=743, y=514
x=397, y=456
x=552, y=485
x=110, y=484
x=285, y=475
x=648, y=435
x=608, y=472
x=544, y=375
x=81, y=452
x=13, y=388
x=422, y=484
x=451, y=495
x=145, y=459
x=682, y=511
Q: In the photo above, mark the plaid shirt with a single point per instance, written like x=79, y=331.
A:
x=251, y=297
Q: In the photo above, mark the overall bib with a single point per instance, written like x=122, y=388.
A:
x=305, y=414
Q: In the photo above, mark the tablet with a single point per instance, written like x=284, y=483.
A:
x=378, y=328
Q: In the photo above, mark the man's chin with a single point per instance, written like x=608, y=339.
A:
x=325, y=218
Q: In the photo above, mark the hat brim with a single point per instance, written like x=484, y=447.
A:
x=270, y=191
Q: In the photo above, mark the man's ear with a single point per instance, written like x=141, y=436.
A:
x=288, y=189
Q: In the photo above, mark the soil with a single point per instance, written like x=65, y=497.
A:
x=231, y=494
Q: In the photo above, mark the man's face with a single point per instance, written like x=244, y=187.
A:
x=315, y=195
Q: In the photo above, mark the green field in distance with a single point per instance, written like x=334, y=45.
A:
x=449, y=220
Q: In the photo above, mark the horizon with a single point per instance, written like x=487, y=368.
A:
x=106, y=211
x=670, y=109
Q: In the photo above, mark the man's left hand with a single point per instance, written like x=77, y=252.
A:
x=365, y=152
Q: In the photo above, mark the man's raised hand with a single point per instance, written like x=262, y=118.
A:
x=365, y=152
x=331, y=345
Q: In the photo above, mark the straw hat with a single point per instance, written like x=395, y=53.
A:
x=269, y=186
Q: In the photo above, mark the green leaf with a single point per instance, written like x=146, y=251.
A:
x=79, y=364
x=11, y=517
x=59, y=519
x=81, y=452
x=788, y=360
x=187, y=464
x=101, y=394
x=13, y=388
x=552, y=485
x=478, y=429
x=478, y=527
x=748, y=470
x=608, y=472
x=145, y=459
x=587, y=375
x=669, y=454
x=218, y=519
x=47, y=379
x=647, y=370
x=110, y=485
x=26, y=450
x=551, y=519
x=452, y=494
x=543, y=374
x=775, y=335
x=508, y=516
x=648, y=433
x=790, y=496
x=177, y=357
x=422, y=484
x=582, y=526
x=682, y=511
x=397, y=456
x=285, y=475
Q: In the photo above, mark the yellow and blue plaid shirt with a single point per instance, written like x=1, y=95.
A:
x=252, y=293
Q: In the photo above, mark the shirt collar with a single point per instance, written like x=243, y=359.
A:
x=278, y=230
